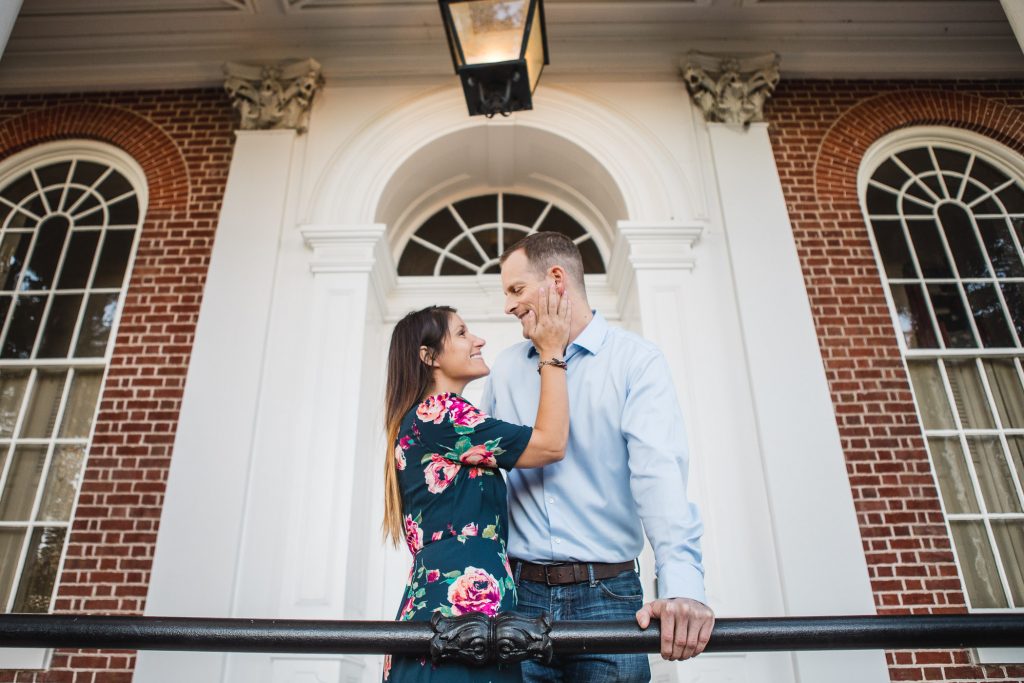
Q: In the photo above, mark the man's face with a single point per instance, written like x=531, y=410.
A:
x=520, y=283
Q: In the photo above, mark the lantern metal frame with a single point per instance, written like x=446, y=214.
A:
x=492, y=88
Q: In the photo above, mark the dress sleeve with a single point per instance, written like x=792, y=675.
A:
x=455, y=429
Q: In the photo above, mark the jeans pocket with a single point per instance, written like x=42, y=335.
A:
x=622, y=587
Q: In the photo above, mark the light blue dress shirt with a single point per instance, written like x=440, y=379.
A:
x=625, y=468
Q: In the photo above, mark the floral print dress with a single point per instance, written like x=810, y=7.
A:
x=456, y=524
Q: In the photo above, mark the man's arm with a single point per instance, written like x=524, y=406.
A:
x=652, y=424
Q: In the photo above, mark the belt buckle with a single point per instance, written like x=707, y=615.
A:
x=547, y=574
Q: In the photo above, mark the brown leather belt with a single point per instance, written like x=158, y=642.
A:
x=565, y=573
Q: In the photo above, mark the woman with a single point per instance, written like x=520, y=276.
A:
x=443, y=494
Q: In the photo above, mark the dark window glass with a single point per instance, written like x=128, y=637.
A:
x=478, y=210
x=881, y=202
x=440, y=229
x=592, y=261
x=963, y=243
x=488, y=239
x=952, y=160
x=1013, y=292
x=930, y=252
x=117, y=246
x=988, y=315
x=1001, y=249
x=465, y=249
x=114, y=185
x=21, y=335
x=890, y=173
x=450, y=267
x=13, y=249
x=1012, y=198
x=19, y=189
x=987, y=174
x=87, y=172
x=54, y=174
x=124, y=212
x=522, y=210
x=893, y=247
x=40, y=572
x=917, y=160
x=972, y=191
x=917, y=208
x=42, y=264
x=74, y=274
x=99, y=318
x=914, y=321
x=559, y=221
x=935, y=185
x=417, y=260
x=949, y=311
x=60, y=326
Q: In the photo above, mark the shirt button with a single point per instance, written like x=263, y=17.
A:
x=557, y=540
x=551, y=500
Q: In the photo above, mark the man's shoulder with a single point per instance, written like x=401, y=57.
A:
x=510, y=356
x=633, y=347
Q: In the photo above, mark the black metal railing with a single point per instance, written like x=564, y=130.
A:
x=508, y=637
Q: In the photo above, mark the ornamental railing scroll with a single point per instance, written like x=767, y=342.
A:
x=477, y=639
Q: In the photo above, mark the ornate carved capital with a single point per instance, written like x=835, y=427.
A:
x=273, y=96
x=477, y=639
x=731, y=90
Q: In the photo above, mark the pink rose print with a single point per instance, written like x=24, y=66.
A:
x=405, y=442
x=433, y=575
x=387, y=666
x=474, y=591
x=436, y=536
x=439, y=473
x=431, y=410
x=407, y=610
x=474, y=472
x=464, y=414
x=478, y=455
x=470, y=529
x=399, y=459
x=413, y=535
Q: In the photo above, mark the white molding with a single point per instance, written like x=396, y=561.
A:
x=1015, y=13
x=653, y=246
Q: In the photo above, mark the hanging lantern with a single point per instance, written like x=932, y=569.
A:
x=499, y=48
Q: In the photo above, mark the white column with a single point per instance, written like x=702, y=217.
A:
x=201, y=527
x=1015, y=13
x=8, y=13
x=821, y=562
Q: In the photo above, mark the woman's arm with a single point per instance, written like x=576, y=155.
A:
x=550, y=335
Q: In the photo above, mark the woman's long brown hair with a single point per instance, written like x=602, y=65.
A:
x=409, y=380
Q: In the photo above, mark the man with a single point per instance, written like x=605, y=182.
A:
x=576, y=526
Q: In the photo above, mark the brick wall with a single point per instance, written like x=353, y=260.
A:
x=820, y=130
x=183, y=140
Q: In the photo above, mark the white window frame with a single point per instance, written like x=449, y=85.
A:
x=11, y=168
x=883, y=149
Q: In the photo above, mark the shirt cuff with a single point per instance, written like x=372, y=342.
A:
x=685, y=581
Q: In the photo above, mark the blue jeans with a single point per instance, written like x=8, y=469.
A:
x=597, y=600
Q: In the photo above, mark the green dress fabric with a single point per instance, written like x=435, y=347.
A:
x=456, y=524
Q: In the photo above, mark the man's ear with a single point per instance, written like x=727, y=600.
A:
x=558, y=275
x=427, y=356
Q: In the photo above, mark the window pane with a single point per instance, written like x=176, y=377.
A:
x=1005, y=384
x=949, y=311
x=417, y=260
x=62, y=483
x=11, y=541
x=988, y=315
x=1016, y=444
x=46, y=253
x=987, y=174
x=956, y=223
x=13, y=250
x=592, y=261
x=19, y=492
x=42, y=409
x=521, y=210
x=99, y=318
x=81, y=407
x=1012, y=198
x=478, y=210
x=125, y=212
x=951, y=159
x=74, y=274
x=117, y=246
x=60, y=326
x=954, y=478
x=969, y=395
x=1001, y=248
x=21, y=335
x=12, y=393
x=1014, y=294
x=979, y=565
x=1010, y=541
x=993, y=474
x=914, y=321
x=465, y=249
x=930, y=252
x=35, y=588
x=893, y=247
x=559, y=221
x=930, y=394
x=881, y=202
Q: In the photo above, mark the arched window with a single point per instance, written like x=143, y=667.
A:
x=467, y=237
x=69, y=223
x=946, y=212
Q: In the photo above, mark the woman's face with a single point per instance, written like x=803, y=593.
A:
x=461, y=357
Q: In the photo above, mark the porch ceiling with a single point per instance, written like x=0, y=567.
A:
x=120, y=44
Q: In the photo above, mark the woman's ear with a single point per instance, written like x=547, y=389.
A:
x=427, y=356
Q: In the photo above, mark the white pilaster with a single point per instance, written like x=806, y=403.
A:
x=201, y=529
x=821, y=562
x=1015, y=13
x=8, y=13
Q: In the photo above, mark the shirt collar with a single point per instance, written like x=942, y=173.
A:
x=591, y=339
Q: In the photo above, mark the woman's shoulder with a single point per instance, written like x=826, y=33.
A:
x=448, y=407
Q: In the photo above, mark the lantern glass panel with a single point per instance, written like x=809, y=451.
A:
x=535, y=51
x=490, y=30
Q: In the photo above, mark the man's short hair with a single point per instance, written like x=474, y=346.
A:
x=546, y=249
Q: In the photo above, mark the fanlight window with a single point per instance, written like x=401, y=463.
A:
x=67, y=232
x=468, y=236
x=948, y=225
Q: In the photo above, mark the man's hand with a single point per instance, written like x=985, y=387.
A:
x=685, y=626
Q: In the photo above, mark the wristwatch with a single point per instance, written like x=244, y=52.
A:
x=557, y=362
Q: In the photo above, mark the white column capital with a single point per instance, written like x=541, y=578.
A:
x=731, y=89
x=273, y=95
x=345, y=248
x=1015, y=13
x=656, y=246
